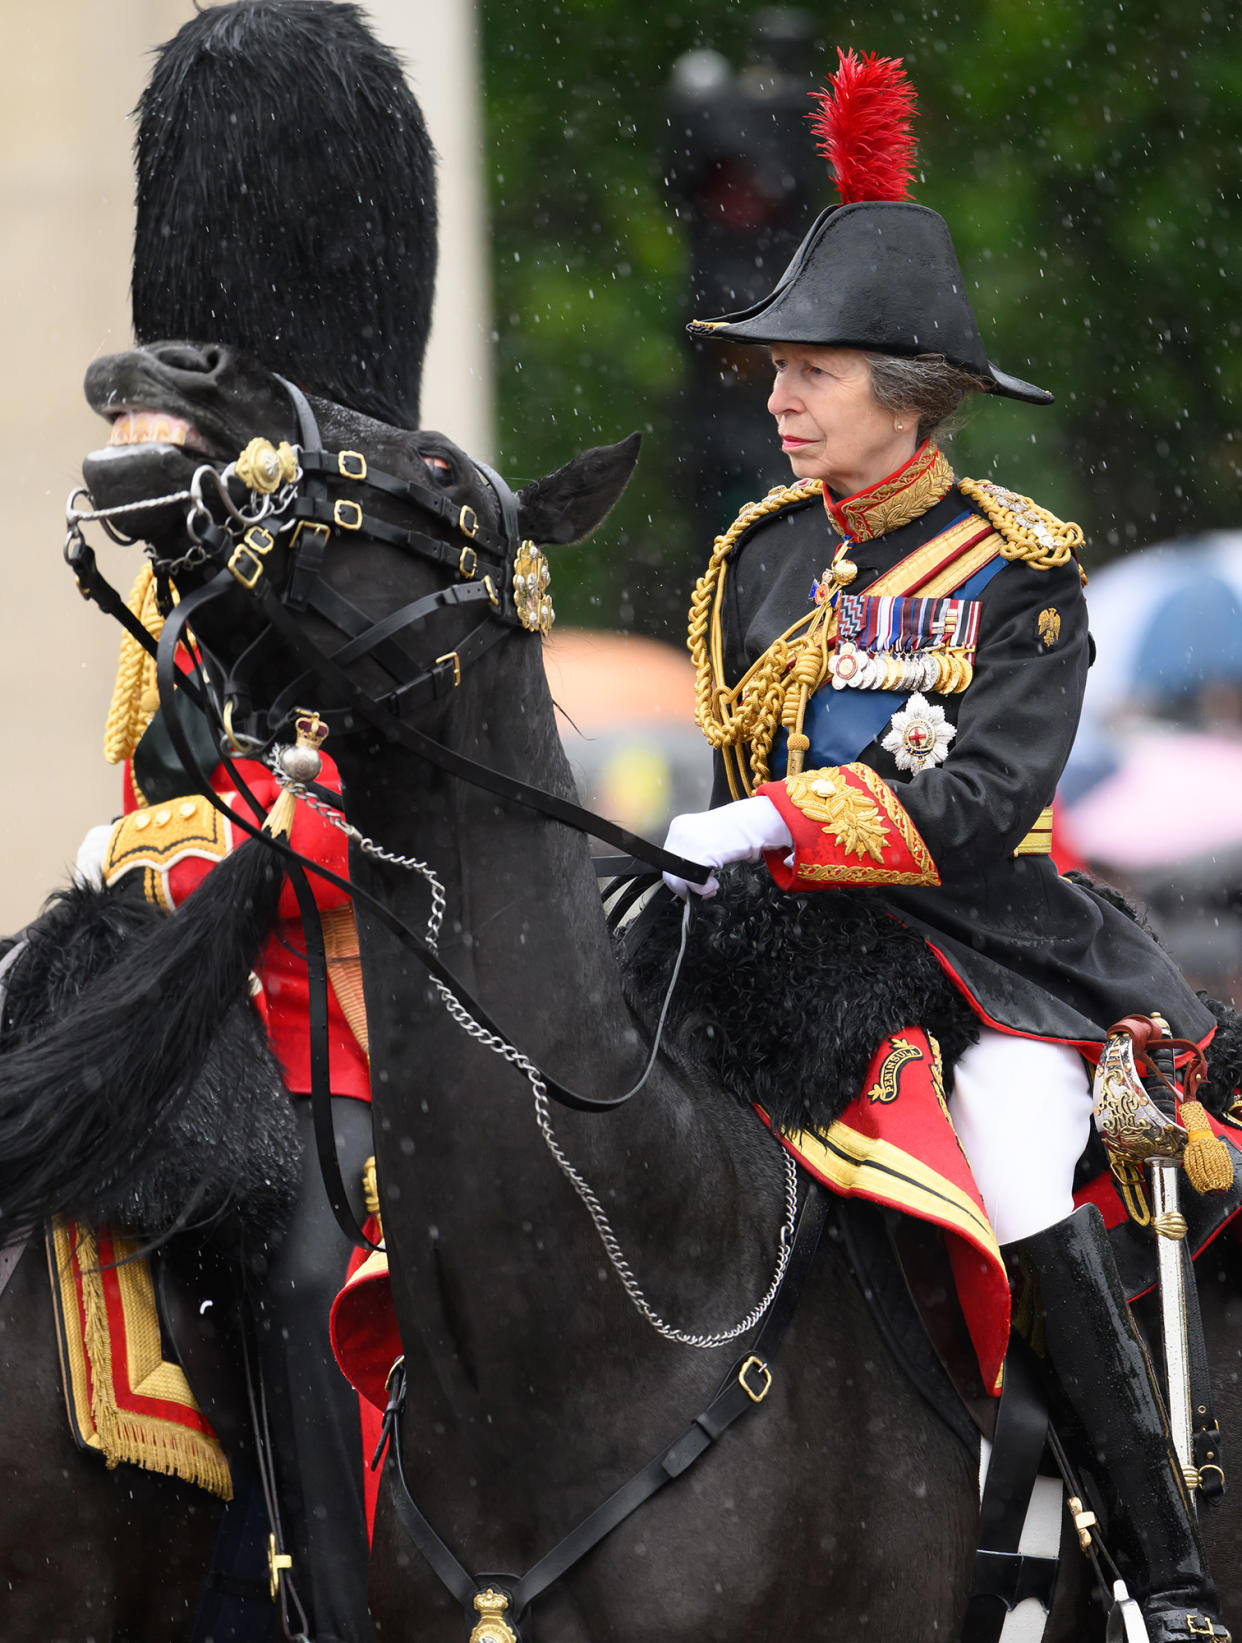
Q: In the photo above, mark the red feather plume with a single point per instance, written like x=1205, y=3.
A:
x=864, y=127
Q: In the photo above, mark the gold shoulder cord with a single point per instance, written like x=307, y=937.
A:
x=775, y=689
x=1027, y=531
x=135, y=696
x=128, y=716
x=750, y=711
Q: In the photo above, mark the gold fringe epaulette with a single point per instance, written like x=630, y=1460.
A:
x=1028, y=532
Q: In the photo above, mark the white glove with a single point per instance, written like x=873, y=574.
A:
x=92, y=853
x=740, y=831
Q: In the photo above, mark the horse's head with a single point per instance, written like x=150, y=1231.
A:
x=318, y=546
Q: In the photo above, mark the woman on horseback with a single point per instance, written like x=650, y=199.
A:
x=902, y=732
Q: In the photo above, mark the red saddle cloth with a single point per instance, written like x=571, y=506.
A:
x=124, y=1398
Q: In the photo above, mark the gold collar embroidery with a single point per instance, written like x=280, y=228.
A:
x=894, y=501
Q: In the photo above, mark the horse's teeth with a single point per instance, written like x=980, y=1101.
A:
x=148, y=427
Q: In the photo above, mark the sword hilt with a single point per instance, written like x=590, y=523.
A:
x=1160, y=1080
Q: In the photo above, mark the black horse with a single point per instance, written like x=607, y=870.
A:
x=534, y=1387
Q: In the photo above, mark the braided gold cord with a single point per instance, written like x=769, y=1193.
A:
x=751, y=713
x=134, y=693
x=1027, y=531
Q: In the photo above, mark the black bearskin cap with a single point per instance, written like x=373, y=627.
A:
x=286, y=201
x=879, y=275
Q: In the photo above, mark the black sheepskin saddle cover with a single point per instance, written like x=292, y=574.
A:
x=785, y=997
x=228, y=1157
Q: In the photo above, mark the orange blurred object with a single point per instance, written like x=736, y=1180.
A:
x=627, y=722
x=604, y=679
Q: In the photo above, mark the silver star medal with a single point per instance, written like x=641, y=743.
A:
x=919, y=736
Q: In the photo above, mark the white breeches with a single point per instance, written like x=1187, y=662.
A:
x=1022, y=1111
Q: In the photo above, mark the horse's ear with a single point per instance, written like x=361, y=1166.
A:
x=567, y=505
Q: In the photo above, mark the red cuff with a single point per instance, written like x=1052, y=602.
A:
x=848, y=827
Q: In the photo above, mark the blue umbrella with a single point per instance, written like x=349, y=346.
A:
x=1167, y=621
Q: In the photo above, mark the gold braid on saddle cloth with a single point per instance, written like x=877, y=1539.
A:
x=741, y=721
x=124, y=1399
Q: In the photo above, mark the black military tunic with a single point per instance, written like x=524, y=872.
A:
x=1034, y=953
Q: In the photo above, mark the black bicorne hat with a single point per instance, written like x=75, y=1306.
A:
x=875, y=274
x=286, y=201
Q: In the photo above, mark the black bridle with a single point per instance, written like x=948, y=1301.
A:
x=480, y=557
x=481, y=560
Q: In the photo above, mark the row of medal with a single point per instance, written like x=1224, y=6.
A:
x=944, y=669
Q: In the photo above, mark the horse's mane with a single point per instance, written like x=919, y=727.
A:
x=136, y=1083
x=286, y=201
x=786, y=996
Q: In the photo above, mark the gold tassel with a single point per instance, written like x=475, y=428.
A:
x=134, y=697
x=808, y=674
x=279, y=823
x=1209, y=1165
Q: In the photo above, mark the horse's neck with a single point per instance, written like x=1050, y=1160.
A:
x=523, y=925
x=524, y=931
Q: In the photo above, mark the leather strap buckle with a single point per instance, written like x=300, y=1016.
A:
x=468, y=522
x=452, y=656
x=468, y=563
x=755, y=1365
x=311, y=527
x=351, y=464
x=246, y=560
x=347, y=514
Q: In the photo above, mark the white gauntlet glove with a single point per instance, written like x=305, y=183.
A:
x=740, y=831
x=88, y=869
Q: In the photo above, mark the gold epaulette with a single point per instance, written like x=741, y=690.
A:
x=1028, y=532
x=156, y=839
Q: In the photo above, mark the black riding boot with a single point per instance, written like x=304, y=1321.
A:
x=1109, y=1412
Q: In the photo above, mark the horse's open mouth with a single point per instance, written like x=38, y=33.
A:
x=149, y=453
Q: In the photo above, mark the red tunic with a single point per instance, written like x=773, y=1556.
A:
x=281, y=967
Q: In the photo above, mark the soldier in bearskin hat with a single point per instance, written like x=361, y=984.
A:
x=286, y=206
x=902, y=731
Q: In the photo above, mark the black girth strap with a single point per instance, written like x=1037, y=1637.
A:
x=1004, y=1576
x=745, y=1385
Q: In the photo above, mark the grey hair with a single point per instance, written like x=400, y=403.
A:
x=929, y=386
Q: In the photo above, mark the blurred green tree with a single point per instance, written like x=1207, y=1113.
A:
x=1087, y=157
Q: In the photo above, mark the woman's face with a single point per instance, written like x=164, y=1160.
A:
x=830, y=425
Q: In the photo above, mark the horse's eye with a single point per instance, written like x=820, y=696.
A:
x=438, y=468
